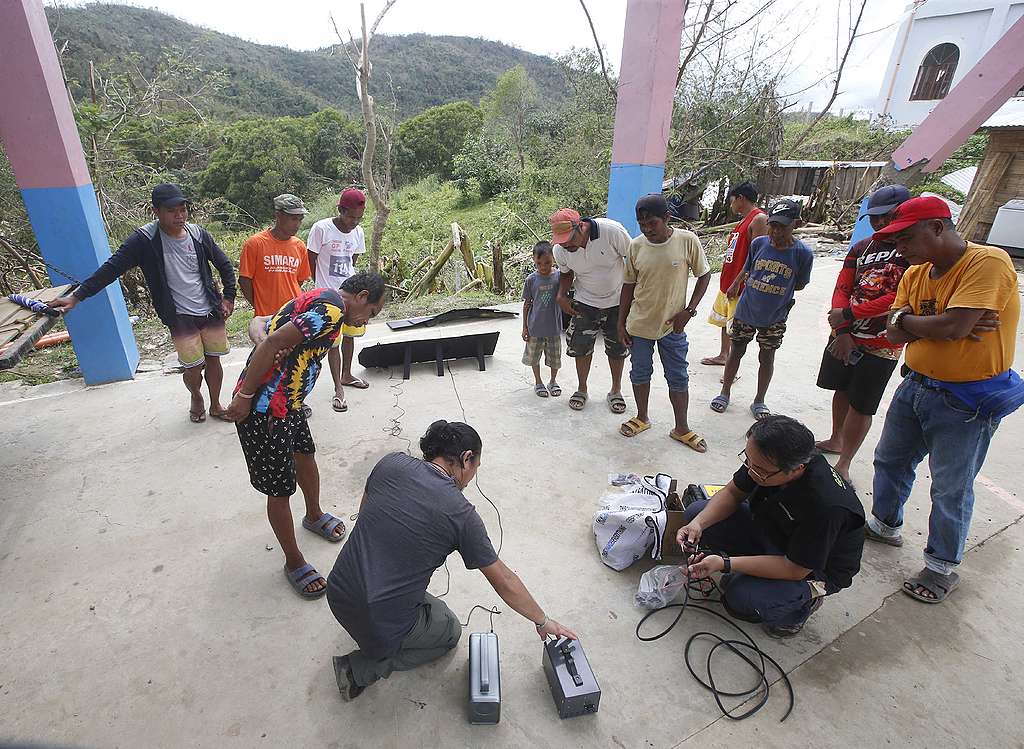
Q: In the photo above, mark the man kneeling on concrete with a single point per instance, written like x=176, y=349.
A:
x=412, y=516
x=786, y=531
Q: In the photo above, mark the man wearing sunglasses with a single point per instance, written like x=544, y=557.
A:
x=786, y=531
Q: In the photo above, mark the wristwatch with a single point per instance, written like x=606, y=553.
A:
x=691, y=310
x=726, y=564
x=896, y=320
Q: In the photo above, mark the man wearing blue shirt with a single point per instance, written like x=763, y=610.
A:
x=777, y=266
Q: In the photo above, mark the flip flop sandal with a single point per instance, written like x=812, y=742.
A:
x=633, y=427
x=554, y=389
x=616, y=403
x=826, y=450
x=691, y=439
x=325, y=526
x=760, y=410
x=540, y=390
x=577, y=400
x=938, y=585
x=357, y=383
x=719, y=403
x=870, y=535
x=219, y=415
x=303, y=576
x=197, y=417
x=707, y=361
x=339, y=404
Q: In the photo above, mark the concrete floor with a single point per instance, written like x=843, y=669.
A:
x=142, y=607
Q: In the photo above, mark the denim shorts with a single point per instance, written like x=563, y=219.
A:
x=672, y=349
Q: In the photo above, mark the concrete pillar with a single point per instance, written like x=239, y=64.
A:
x=45, y=152
x=643, y=114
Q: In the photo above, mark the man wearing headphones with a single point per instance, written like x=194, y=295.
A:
x=412, y=516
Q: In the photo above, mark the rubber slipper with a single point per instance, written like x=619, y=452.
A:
x=325, y=526
x=339, y=404
x=303, y=576
x=577, y=400
x=633, y=427
x=709, y=361
x=826, y=450
x=357, y=383
x=759, y=410
x=691, y=439
x=938, y=585
x=197, y=417
x=719, y=403
x=616, y=403
x=870, y=535
x=219, y=415
x=554, y=389
x=540, y=390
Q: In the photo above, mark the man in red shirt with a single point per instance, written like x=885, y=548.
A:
x=753, y=224
x=859, y=359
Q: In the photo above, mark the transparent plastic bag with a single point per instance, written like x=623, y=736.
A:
x=659, y=586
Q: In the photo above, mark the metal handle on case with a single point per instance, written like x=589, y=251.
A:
x=485, y=677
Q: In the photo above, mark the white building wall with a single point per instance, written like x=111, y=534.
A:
x=972, y=26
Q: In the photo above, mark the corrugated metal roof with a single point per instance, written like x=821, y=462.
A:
x=961, y=179
x=1011, y=114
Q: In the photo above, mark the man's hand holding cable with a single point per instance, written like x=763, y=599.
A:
x=702, y=566
x=689, y=534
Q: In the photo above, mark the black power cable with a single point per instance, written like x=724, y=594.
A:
x=741, y=648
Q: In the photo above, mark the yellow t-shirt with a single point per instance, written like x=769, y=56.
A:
x=661, y=273
x=983, y=278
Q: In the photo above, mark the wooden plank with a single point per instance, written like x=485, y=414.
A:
x=985, y=185
x=24, y=343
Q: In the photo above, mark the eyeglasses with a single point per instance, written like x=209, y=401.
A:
x=755, y=472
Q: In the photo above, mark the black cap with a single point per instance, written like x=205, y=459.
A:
x=783, y=211
x=885, y=199
x=168, y=196
x=746, y=190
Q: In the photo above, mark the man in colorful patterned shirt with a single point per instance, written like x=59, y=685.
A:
x=267, y=409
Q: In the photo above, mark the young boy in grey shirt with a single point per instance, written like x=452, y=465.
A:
x=542, y=320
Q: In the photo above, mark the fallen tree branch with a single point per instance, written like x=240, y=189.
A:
x=600, y=53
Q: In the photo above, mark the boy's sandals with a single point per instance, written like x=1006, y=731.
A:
x=870, y=535
x=540, y=390
x=719, y=403
x=577, y=400
x=325, y=526
x=938, y=585
x=302, y=577
x=691, y=439
x=760, y=410
x=554, y=389
x=338, y=404
x=616, y=403
x=633, y=427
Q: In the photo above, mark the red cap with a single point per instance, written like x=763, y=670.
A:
x=351, y=198
x=563, y=221
x=910, y=212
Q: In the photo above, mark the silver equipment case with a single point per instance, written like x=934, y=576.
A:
x=573, y=686
x=484, y=679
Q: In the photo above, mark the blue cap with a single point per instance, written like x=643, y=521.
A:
x=885, y=199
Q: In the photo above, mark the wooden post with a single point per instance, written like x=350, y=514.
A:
x=425, y=283
x=499, y=268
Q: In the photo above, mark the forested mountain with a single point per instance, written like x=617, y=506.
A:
x=274, y=81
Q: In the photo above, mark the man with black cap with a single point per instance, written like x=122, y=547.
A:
x=957, y=309
x=175, y=257
x=859, y=359
x=778, y=265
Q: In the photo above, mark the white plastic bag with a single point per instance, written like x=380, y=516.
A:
x=628, y=523
x=659, y=586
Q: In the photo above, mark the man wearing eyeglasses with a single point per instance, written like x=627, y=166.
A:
x=786, y=531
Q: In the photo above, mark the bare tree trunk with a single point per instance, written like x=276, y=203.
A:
x=499, y=268
x=600, y=52
x=835, y=88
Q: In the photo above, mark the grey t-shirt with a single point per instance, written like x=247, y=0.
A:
x=414, y=516
x=181, y=264
x=545, y=320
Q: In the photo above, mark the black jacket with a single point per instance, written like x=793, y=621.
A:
x=143, y=248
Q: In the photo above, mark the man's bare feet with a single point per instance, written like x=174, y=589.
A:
x=714, y=361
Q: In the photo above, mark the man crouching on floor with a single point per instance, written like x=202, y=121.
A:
x=786, y=531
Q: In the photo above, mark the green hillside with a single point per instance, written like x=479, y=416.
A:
x=275, y=81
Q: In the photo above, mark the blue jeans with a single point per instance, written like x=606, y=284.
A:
x=672, y=349
x=925, y=421
x=753, y=599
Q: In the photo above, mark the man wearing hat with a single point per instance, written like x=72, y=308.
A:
x=334, y=246
x=590, y=254
x=859, y=359
x=957, y=309
x=274, y=262
x=175, y=258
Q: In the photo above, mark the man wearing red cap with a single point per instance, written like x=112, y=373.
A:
x=590, y=254
x=334, y=245
x=957, y=309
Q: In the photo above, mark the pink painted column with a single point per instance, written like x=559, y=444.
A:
x=643, y=113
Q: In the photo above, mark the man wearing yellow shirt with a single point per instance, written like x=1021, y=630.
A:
x=957, y=309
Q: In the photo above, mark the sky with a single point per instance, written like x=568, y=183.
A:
x=549, y=27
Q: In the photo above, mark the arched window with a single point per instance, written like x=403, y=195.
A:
x=936, y=73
